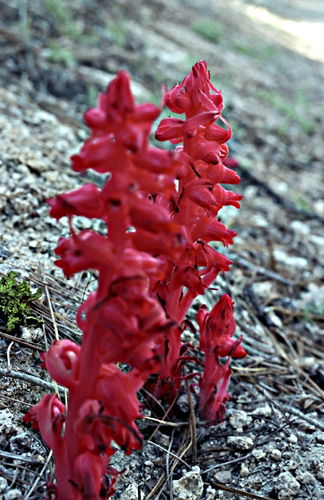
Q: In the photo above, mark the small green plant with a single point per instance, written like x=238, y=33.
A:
x=262, y=52
x=301, y=203
x=15, y=299
x=207, y=28
x=292, y=108
x=62, y=16
x=92, y=95
x=313, y=309
x=60, y=55
x=117, y=31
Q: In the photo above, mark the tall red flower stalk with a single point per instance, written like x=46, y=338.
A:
x=160, y=211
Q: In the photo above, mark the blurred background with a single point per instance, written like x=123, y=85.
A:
x=266, y=56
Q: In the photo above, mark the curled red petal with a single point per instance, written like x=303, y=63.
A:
x=85, y=250
x=62, y=362
x=169, y=128
x=85, y=201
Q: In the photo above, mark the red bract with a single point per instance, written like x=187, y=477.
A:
x=86, y=201
x=216, y=341
x=156, y=254
x=217, y=328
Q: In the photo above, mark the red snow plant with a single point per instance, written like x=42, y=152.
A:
x=155, y=255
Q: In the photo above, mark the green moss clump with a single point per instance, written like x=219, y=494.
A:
x=15, y=299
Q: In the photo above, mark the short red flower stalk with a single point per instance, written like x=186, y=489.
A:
x=160, y=210
x=201, y=169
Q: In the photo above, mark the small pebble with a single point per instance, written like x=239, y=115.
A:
x=13, y=494
x=319, y=436
x=276, y=454
x=223, y=476
x=131, y=492
x=258, y=454
x=292, y=465
x=244, y=470
x=263, y=411
x=3, y=484
x=240, y=442
x=292, y=438
x=190, y=486
x=286, y=485
x=305, y=478
x=240, y=419
x=300, y=227
x=210, y=493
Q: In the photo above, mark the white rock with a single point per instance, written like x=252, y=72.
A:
x=292, y=438
x=7, y=426
x=223, y=476
x=240, y=419
x=240, y=442
x=263, y=411
x=189, y=487
x=290, y=260
x=300, y=227
x=244, y=470
x=286, y=485
x=313, y=299
x=305, y=478
x=276, y=454
x=3, y=484
x=258, y=454
x=263, y=288
x=319, y=436
x=13, y=494
x=273, y=317
x=210, y=493
x=131, y=492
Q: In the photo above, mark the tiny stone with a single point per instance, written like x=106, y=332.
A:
x=300, y=227
x=292, y=439
x=240, y=419
x=286, y=485
x=210, y=493
x=7, y=426
x=292, y=465
x=319, y=436
x=20, y=443
x=223, y=476
x=244, y=470
x=308, y=362
x=34, y=243
x=13, y=494
x=263, y=411
x=320, y=475
x=305, y=478
x=131, y=492
x=258, y=454
x=240, y=442
x=3, y=484
x=189, y=487
x=183, y=403
x=276, y=454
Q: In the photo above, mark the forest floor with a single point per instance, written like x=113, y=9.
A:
x=267, y=59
